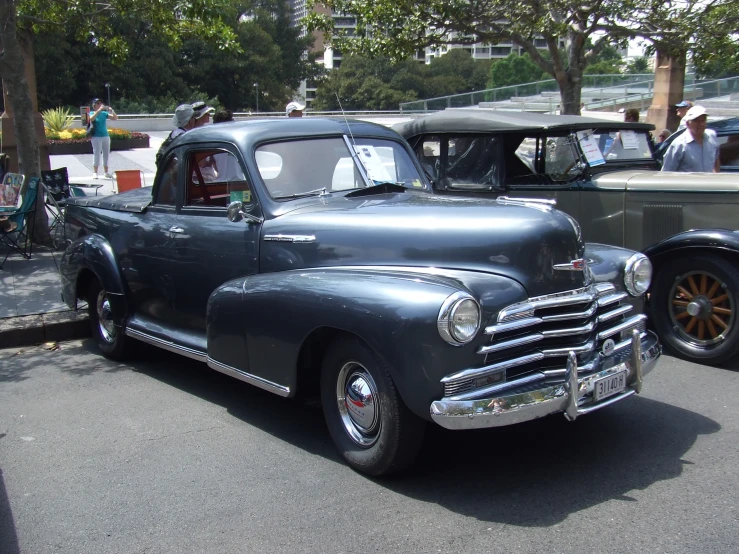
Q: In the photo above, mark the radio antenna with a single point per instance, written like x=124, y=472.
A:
x=345, y=119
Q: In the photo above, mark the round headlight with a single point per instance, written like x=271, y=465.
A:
x=459, y=319
x=638, y=275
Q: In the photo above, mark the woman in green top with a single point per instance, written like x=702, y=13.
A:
x=100, y=137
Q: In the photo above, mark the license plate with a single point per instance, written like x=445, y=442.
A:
x=608, y=386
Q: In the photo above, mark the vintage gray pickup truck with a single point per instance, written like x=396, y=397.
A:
x=605, y=175
x=307, y=256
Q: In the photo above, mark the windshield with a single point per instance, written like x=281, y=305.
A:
x=296, y=168
x=615, y=146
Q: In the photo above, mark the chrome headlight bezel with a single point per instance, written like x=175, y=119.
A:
x=636, y=267
x=445, y=321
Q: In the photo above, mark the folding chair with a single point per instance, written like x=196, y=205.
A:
x=18, y=237
x=129, y=179
x=56, y=187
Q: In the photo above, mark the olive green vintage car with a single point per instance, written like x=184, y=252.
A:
x=605, y=175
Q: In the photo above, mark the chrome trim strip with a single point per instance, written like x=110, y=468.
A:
x=554, y=352
x=571, y=387
x=611, y=299
x=512, y=325
x=631, y=322
x=248, y=378
x=482, y=371
x=517, y=407
x=572, y=265
x=572, y=315
x=604, y=288
x=578, y=296
x=533, y=378
x=302, y=239
x=504, y=345
x=166, y=345
x=554, y=333
x=621, y=310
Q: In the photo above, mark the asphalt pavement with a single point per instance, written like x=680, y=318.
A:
x=161, y=454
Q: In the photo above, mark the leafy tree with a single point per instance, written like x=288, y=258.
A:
x=715, y=53
x=397, y=29
x=513, y=70
x=23, y=19
x=605, y=67
x=638, y=65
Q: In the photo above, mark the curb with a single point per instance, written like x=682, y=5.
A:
x=35, y=329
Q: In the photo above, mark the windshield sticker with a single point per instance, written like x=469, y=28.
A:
x=629, y=140
x=372, y=162
x=416, y=183
x=590, y=148
x=240, y=196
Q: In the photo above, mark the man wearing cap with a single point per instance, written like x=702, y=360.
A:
x=682, y=109
x=695, y=149
x=294, y=109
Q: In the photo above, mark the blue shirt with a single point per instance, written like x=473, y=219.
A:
x=100, y=125
x=685, y=154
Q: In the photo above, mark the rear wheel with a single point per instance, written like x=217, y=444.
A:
x=371, y=426
x=694, y=308
x=111, y=340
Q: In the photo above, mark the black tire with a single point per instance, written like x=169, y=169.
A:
x=380, y=437
x=694, y=308
x=111, y=340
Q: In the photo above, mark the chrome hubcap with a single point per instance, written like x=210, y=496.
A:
x=105, y=317
x=359, y=407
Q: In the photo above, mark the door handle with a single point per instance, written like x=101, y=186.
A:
x=175, y=229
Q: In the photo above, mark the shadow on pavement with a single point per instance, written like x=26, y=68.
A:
x=8, y=537
x=531, y=475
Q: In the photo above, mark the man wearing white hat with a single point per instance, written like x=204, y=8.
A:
x=694, y=150
x=294, y=109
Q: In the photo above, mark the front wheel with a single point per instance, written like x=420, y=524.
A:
x=694, y=308
x=111, y=340
x=371, y=426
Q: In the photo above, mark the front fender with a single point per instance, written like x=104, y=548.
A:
x=93, y=253
x=718, y=239
x=258, y=324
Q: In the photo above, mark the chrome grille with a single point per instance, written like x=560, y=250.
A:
x=537, y=335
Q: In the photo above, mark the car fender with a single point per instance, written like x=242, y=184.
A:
x=258, y=324
x=94, y=253
x=722, y=240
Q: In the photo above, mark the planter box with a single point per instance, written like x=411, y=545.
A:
x=60, y=148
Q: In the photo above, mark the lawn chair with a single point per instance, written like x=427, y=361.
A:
x=18, y=237
x=129, y=179
x=57, y=191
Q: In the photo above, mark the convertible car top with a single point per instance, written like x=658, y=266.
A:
x=470, y=120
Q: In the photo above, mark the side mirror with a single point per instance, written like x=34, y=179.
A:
x=235, y=212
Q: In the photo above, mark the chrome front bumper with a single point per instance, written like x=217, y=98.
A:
x=573, y=397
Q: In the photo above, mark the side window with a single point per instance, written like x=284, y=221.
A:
x=560, y=157
x=216, y=178
x=167, y=192
x=473, y=161
x=729, y=150
x=429, y=154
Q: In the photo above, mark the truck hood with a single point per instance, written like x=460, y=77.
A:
x=667, y=181
x=421, y=230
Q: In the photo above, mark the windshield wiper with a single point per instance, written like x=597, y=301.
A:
x=315, y=192
x=379, y=188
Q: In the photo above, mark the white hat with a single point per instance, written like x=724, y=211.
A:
x=182, y=115
x=201, y=109
x=695, y=112
x=292, y=106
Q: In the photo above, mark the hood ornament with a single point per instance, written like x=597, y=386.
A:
x=573, y=265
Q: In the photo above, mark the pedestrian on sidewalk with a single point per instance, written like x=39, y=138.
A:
x=100, y=137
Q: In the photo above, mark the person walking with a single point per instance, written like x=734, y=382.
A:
x=100, y=137
x=682, y=109
x=694, y=150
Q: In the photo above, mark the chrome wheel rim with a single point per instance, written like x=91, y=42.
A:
x=359, y=405
x=105, y=317
x=702, y=308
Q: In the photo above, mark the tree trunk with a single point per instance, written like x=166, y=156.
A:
x=570, y=89
x=13, y=73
